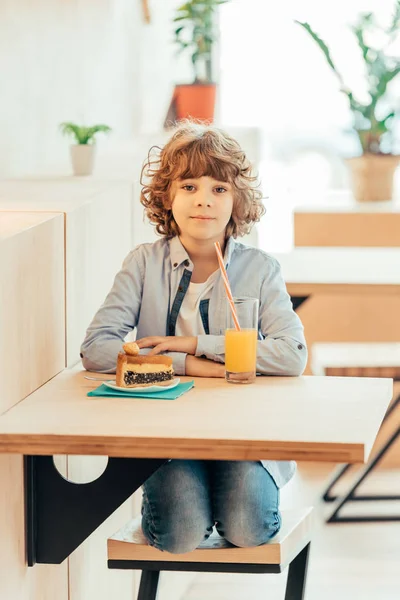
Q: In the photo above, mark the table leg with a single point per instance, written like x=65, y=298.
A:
x=60, y=514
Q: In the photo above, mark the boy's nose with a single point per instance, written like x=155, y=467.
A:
x=203, y=199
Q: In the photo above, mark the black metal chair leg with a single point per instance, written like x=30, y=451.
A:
x=350, y=497
x=148, y=585
x=338, y=475
x=326, y=496
x=297, y=576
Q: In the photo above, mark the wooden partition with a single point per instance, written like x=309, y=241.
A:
x=32, y=303
x=98, y=235
x=32, y=351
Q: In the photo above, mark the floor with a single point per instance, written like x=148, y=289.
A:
x=348, y=561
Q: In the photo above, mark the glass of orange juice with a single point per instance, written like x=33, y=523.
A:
x=241, y=346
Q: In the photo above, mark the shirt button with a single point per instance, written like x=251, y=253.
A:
x=175, y=264
x=81, y=355
x=186, y=263
x=180, y=289
x=203, y=356
x=300, y=346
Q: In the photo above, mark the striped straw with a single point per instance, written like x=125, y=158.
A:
x=226, y=283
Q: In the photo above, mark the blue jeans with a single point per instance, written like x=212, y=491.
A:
x=185, y=498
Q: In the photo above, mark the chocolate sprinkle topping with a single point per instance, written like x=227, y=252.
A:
x=130, y=377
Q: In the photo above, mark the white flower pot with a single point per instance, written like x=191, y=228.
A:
x=82, y=157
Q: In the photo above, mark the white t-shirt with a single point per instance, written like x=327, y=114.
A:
x=189, y=319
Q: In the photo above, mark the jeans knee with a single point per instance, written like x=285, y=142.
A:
x=247, y=532
x=176, y=538
x=176, y=545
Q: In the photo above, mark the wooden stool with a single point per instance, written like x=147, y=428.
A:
x=128, y=549
x=349, y=359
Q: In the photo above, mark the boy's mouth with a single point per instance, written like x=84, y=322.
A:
x=203, y=218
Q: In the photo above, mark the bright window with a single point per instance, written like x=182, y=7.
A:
x=274, y=77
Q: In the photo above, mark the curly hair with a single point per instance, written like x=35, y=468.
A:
x=196, y=150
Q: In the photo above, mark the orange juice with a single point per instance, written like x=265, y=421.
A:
x=240, y=350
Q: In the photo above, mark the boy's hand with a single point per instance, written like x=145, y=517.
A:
x=200, y=367
x=171, y=343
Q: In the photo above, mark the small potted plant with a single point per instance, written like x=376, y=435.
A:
x=196, y=34
x=373, y=120
x=82, y=152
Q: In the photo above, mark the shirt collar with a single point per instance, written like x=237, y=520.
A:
x=179, y=255
x=229, y=250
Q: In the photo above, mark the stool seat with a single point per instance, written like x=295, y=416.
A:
x=129, y=544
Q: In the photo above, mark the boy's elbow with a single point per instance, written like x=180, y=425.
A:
x=298, y=360
x=88, y=364
x=89, y=361
x=295, y=370
x=102, y=359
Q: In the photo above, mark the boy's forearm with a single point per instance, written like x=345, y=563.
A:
x=200, y=367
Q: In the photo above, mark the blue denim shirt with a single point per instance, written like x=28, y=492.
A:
x=148, y=292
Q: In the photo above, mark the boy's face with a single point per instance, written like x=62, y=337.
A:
x=202, y=207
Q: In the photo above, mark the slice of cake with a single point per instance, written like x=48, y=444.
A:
x=134, y=371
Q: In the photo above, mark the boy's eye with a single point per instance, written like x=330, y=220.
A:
x=188, y=187
x=220, y=189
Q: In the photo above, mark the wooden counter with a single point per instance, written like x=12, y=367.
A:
x=345, y=222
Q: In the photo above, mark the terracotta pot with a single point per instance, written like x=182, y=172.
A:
x=372, y=176
x=82, y=157
x=196, y=100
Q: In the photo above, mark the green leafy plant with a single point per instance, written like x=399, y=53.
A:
x=373, y=120
x=83, y=135
x=196, y=34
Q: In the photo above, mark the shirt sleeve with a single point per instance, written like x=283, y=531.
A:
x=116, y=317
x=283, y=350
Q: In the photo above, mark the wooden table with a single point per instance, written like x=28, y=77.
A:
x=277, y=418
x=341, y=270
x=339, y=220
x=344, y=294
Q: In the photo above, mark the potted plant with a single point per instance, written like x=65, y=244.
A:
x=82, y=152
x=373, y=171
x=196, y=34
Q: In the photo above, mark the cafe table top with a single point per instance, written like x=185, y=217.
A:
x=308, y=271
x=279, y=418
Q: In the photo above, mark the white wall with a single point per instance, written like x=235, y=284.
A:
x=81, y=60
